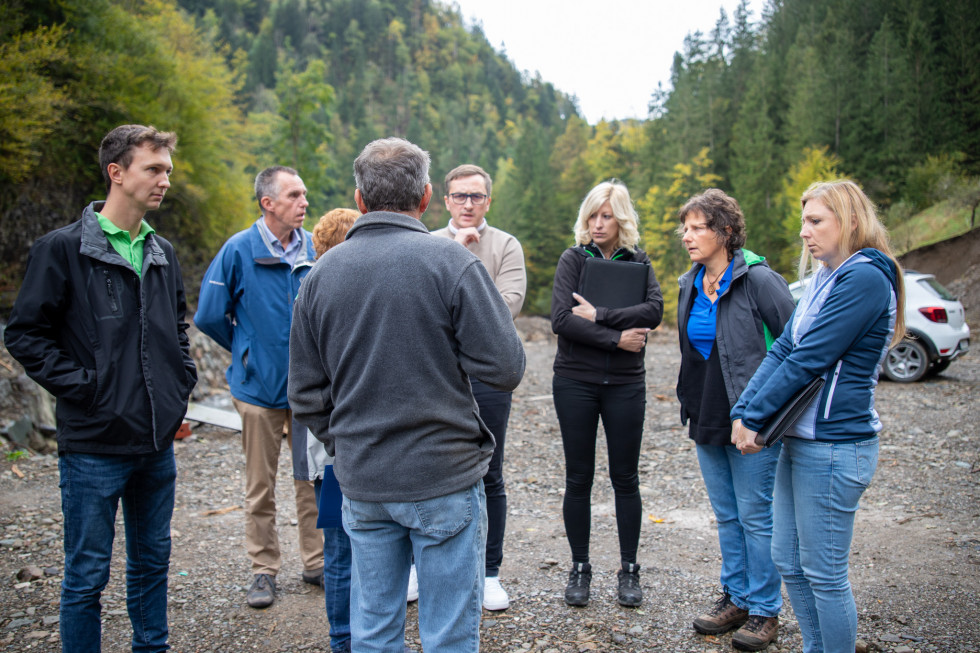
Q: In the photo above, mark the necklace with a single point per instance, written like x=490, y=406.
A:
x=712, y=284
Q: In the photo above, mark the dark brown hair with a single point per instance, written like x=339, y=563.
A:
x=722, y=215
x=117, y=146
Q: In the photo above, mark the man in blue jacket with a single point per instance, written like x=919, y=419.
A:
x=99, y=323
x=246, y=306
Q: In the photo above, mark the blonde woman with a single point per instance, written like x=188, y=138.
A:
x=849, y=315
x=599, y=372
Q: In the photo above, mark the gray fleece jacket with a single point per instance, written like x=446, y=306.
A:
x=387, y=330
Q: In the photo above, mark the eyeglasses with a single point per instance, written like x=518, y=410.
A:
x=476, y=198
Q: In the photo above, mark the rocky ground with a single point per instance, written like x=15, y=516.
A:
x=915, y=561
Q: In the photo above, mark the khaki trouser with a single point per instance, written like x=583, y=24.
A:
x=262, y=436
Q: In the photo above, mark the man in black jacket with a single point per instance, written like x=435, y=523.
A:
x=99, y=323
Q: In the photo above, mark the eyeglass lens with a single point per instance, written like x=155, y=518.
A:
x=476, y=198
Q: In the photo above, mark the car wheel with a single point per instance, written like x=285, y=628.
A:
x=907, y=362
x=939, y=366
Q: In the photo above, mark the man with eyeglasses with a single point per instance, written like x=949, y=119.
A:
x=468, y=200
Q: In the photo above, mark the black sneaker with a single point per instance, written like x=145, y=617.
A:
x=262, y=593
x=630, y=593
x=579, y=579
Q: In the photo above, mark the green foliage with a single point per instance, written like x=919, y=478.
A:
x=31, y=103
x=816, y=164
x=758, y=108
x=930, y=180
x=658, y=215
x=14, y=456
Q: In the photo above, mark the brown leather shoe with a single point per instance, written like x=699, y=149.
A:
x=721, y=617
x=757, y=633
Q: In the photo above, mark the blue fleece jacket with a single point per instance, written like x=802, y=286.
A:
x=246, y=306
x=840, y=330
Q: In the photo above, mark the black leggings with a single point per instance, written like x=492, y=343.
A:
x=622, y=407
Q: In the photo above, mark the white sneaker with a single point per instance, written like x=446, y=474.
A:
x=494, y=596
x=413, y=585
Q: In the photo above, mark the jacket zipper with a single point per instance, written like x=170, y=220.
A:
x=833, y=386
x=112, y=295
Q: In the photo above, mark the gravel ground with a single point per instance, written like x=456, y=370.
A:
x=914, y=561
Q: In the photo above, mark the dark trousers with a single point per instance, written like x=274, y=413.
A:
x=495, y=412
x=622, y=408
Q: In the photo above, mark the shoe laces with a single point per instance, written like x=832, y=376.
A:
x=755, y=624
x=631, y=579
x=720, y=605
x=579, y=576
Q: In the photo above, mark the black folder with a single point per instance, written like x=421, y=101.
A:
x=779, y=423
x=614, y=284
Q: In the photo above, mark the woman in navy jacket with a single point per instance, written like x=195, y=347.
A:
x=599, y=372
x=849, y=315
x=729, y=302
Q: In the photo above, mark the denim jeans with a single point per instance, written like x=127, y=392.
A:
x=336, y=578
x=447, y=535
x=495, y=412
x=818, y=486
x=740, y=490
x=91, y=487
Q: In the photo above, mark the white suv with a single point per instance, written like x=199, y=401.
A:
x=936, y=331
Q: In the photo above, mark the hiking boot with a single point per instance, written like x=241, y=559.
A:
x=579, y=579
x=722, y=617
x=313, y=576
x=757, y=633
x=630, y=593
x=494, y=596
x=262, y=592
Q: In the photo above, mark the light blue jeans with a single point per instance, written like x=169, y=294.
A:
x=740, y=489
x=818, y=487
x=447, y=536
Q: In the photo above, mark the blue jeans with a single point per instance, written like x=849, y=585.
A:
x=336, y=578
x=818, y=486
x=740, y=490
x=447, y=535
x=91, y=487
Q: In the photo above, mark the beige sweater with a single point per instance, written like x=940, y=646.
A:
x=503, y=258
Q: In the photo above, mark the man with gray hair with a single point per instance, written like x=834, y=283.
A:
x=245, y=305
x=388, y=329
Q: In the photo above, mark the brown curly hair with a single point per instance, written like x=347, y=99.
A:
x=332, y=228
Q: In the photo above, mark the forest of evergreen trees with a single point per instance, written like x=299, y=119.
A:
x=884, y=91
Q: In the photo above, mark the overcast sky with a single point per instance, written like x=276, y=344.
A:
x=608, y=53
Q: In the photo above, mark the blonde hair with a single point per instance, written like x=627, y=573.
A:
x=614, y=192
x=332, y=228
x=859, y=228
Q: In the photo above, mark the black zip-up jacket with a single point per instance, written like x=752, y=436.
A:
x=757, y=297
x=111, y=348
x=587, y=351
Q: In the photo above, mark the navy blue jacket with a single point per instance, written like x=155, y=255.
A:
x=843, y=337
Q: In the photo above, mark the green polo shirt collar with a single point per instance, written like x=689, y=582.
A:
x=130, y=249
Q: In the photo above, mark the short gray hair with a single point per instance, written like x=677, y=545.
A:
x=391, y=174
x=267, y=183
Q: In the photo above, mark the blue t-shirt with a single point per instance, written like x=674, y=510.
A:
x=701, y=324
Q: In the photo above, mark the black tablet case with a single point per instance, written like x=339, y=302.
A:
x=614, y=284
